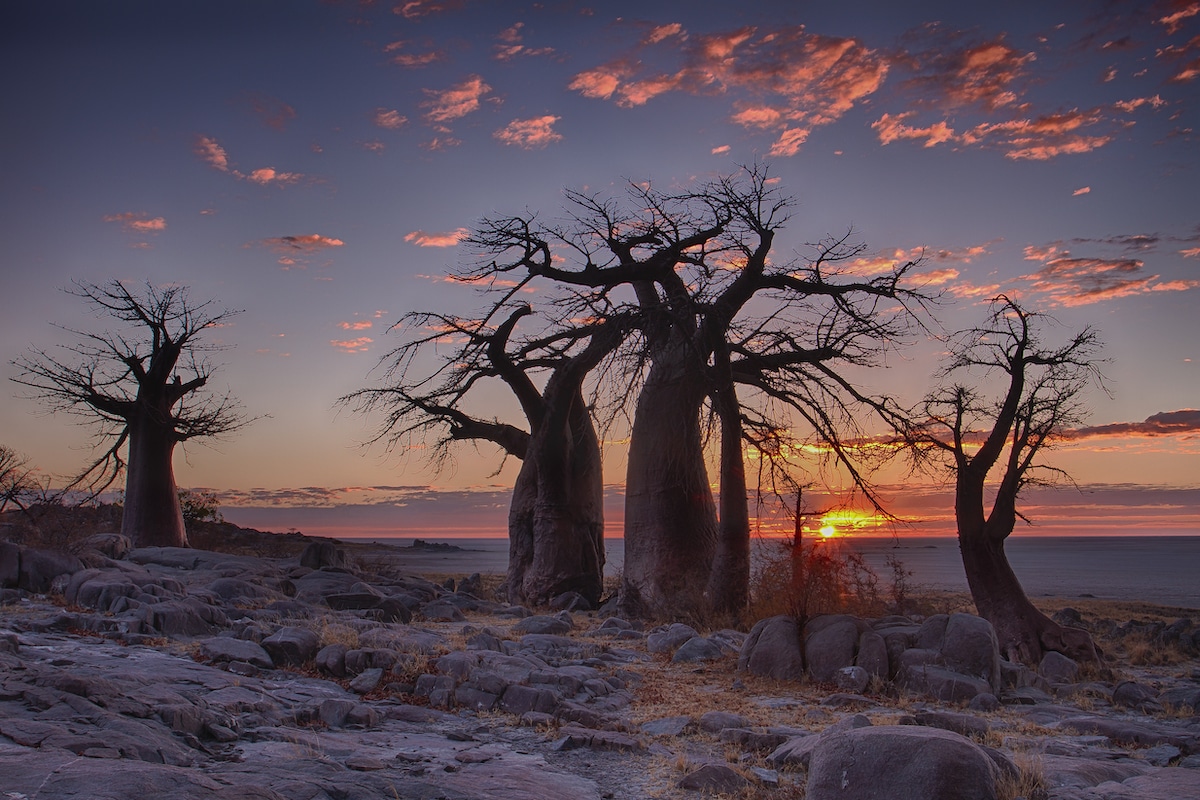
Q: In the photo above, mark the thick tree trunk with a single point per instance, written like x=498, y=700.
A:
x=670, y=516
x=729, y=581
x=556, y=520
x=152, y=517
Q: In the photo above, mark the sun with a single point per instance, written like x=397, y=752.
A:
x=828, y=531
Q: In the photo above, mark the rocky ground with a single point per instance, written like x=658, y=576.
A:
x=201, y=674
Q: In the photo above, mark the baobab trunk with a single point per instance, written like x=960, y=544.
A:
x=152, y=517
x=729, y=580
x=670, y=516
x=556, y=520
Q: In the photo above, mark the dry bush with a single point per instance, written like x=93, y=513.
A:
x=1029, y=782
x=1141, y=651
x=818, y=577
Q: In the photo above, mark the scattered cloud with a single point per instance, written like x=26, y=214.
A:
x=273, y=112
x=138, y=222
x=212, y=153
x=374, y=145
x=512, y=44
x=415, y=9
x=441, y=143
x=294, y=251
x=356, y=325
x=721, y=150
x=1074, y=281
x=1081, y=190
x=1174, y=20
x=359, y=345
x=786, y=80
x=530, y=134
x=389, y=118
x=456, y=102
x=427, y=239
x=951, y=74
x=269, y=175
x=403, y=59
x=1191, y=252
x=1184, y=422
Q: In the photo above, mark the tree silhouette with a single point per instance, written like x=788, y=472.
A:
x=1039, y=389
x=142, y=386
x=715, y=311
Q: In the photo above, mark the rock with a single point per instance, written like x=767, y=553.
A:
x=442, y=611
x=852, y=679
x=366, y=681
x=331, y=659
x=668, y=639
x=773, y=650
x=222, y=649
x=111, y=545
x=962, y=724
x=39, y=568
x=873, y=655
x=943, y=684
x=900, y=762
x=542, y=624
x=570, y=601
x=292, y=646
x=1134, y=695
x=1057, y=668
x=984, y=702
x=1182, y=698
x=10, y=564
x=717, y=721
x=716, y=778
x=666, y=726
x=186, y=617
x=970, y=647
x=830, y=643
x=697, y=649
x=320, y=554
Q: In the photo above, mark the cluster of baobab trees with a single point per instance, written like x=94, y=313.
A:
x=672, y=315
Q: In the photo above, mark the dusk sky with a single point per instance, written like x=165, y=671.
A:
x=315, y=163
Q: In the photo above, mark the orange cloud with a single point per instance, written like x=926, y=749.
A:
x=952, y=75
x=662, y=32
x=359, y=345
x=138, y=222
x=530, y=134
x=425, y=239
x=455, y=102
x=1174, y=20
x=721, y=150
x=357, y=325
x=511, y=45
x=389, y=118
x=1081, y=190
x=788, y=143
x=411, y=59
x=1073, y=281
x=598, y=83
x=1191, y=252
x=305, y=244
x=892, y=128
x=415, y=9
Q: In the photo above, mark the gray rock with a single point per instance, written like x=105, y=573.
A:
x=852, y=679
x=442, y=611
x=39, y=568
x=521, y=700
x=716, y=778
x=962, y=724
x=542, y=624
x=366, y=681
x=1057, y=668
x=697, y=649
x=873, y=655
x=666, y=640
x=666, y=726
x=331, y=659
x=320, y=554
x=830, y=643
x=292, y=646
x=1135, y=695
x=717, y=721
x=900, y=762
x=773, y=650
x=222, y=649
x=943, y=684
x=970, y=647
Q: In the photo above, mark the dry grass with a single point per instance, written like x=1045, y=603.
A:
x=1029, y=781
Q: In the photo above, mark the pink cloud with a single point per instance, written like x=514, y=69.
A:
x=271, y=110
x=138, y=222
x=511, y=44
x=1174, y=20
x=598, y=83
x=892, y=128
x=426, y=239
x=411, y=59
x=1081, y=190
x=212, y=153
x=375, y=146
x=1075, y=281
x=1191, y=252
x=530, y=134
x=1183, y=422
x=455, y=102
x=359, y=345
x=389, y=118
x=721, y=150
x=953, y=75
x=268, y=175
x=789, y=141
x=441, y=143
x=294, y=251
x=415, y=9
x=357, y=325
x=661, y=32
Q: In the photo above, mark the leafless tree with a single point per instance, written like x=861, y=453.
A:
x=142, y=385
x=556, y=518
x=1038, y=399
x=17, y=481
x=717, y=311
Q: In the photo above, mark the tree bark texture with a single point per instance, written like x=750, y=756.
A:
x=152, y=517
x=729, y=579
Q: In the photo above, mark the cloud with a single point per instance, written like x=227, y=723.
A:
x=785, y=80
x=425, y=239
x=721, y=150
x=1081, y=190
x=1073, y=281
x=1183, y=422
x=356, y=325
x=359, y=345
x=1191, y=252
x=138, y=222
x=662, y=32
x=530, y=134
x=455, y=102
x=1185, y=57
x=273, y=112
x=511, y=45
x=1174, y=21
x=412, y=59
x=949, y=74
x=375, y=146
x=415, y=9
x=389, y=118
x=306, y=243
x=891, y=128
x=212, y=153
x=268, y=175
x=441, y=143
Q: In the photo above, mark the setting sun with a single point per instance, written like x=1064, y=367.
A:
x=828, y=531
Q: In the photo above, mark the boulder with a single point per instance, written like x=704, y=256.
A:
x=896, y=761
x=668, y=639
x=292, y=645
x=39, y=568
x=830, y=643
x=714, y=778
x=1057, y=668
x=773, y=650
x=322, y=554
x=697, y=649
x=969, y=646
x=542, y=624
x=222, y=649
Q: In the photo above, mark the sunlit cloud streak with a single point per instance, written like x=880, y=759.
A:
x=530, y=134
x=1081, y=190
x=512, y=44
x=787, y=80
x=356, y=325
x=403, y=59
x=359, y=345
x=138, y=222
x=428, y=239
x=1184, y=422
x=389, y=118
x=456, y=102
x=213, y=154
x=294, y=251
x=1075, y=281
x=1174, y=21
x=415, y=9
x=273, y=112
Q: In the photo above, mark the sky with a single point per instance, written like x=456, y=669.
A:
x=314, y=165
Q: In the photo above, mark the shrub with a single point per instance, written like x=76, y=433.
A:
x=812, y=578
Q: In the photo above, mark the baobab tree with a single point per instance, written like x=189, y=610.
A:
x=1038, y=399
x=716, y=310
x=142, y=386
x=556, y=517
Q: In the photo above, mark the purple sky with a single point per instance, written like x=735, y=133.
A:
x=314, y=164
